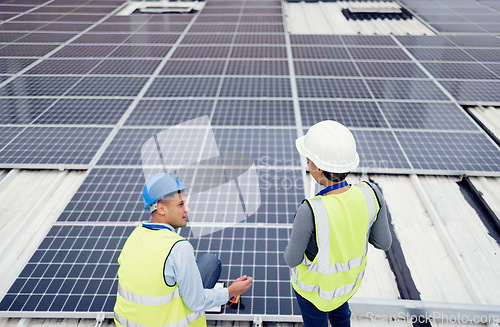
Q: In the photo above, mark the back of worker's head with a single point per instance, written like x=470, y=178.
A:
x=161, y=186
x=331, y=147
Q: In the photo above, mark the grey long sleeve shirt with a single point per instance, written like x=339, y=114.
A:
x=303, y=238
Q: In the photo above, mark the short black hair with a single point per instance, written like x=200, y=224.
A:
x=335, y=177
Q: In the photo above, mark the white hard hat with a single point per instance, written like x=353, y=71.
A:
x=330, y=146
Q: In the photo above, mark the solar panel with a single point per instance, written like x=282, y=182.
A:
x=152, y=38
x=264, y=28
x=84, y=51
x=124, y=186
x=8, y=134
x=269, y=147
x=450, y=151
x=425, y=41
x=473, y=91
x=332, y=88
x=22, y=111
x=348, y=113
x=26, y=50
x=208, y=38
x=47, y=37
x=125, y=67
x=457, y=27
x=379, y=150
x=405, y=89
x=110, y=38
x=183, y=146
x=54, y=145
x=64, y=27
x=201, y=52
x=393, y=69
x=74, y=269
x=316, y=39
x=108, y=86
x=90, y=112
x=213, y=28
x=440, y=54
x=254, y=112
x=320, y=52
x=382, y=40
x=140, y=51
x=258, y=52
x=459, y=71
x=183, y=86
x=325, y=68
x=256, y=87
x=426, y=115
x=168, y=112
x=38, y=85
x=378, y=53
x=266, y=19
x=63, y=66
x=257, y=67
x=492, y=55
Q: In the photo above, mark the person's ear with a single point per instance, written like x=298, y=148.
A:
x=161, y=208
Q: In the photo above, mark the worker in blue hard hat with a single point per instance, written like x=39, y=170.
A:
x=160, y=282
x=330, y=234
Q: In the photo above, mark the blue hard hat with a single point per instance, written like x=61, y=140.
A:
x=158, y=186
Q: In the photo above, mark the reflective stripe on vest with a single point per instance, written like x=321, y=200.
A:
x=322, y=265
x=181, y=323
x=325, y=295
x=147, y=300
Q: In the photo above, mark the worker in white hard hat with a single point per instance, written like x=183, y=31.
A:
x=330, y=234
x=159, y=281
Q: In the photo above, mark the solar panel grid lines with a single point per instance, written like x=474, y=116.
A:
x=348, y=113
x=52, y=51
x=458, y=151
x=426, y=115
x=54, y=145
x=254, y=112
x=332, y=88
x=23, y=110
x=74, y=269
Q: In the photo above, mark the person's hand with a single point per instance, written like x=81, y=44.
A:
x=240, y=286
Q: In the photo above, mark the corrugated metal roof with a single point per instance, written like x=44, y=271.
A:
x=327, y=18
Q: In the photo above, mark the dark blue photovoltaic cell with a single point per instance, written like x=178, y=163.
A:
x=348, y=113
x=38, y=86
x=90, y=111
x=331, y=88
x=426, y=115
x=270, y=147
x=74, y=269
x=254, y=112
x=22, y=111
x=55, y=145
x=167, y=112
x=405, y=89
x=450, y=151
x=473, y=91
x=124, y=186
x=379, y=150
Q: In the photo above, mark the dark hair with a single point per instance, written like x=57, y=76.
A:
x=335, y=177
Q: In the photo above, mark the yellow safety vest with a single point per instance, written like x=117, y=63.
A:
x=342, y=222
x=144, y=298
